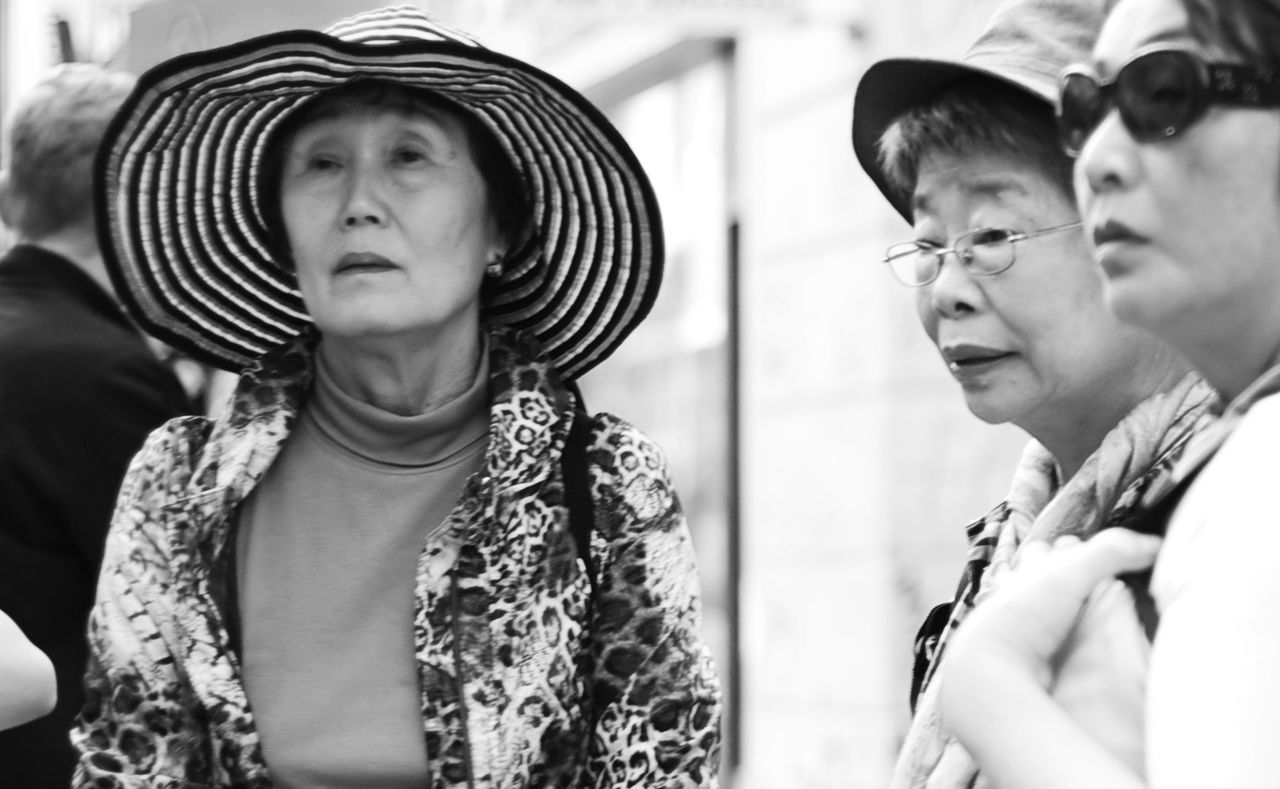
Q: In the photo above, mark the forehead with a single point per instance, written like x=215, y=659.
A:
x=1134, y=24
x=382, y=104
x=950, y=182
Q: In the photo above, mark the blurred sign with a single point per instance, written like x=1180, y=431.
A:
x=160, y=29
x=729, y=13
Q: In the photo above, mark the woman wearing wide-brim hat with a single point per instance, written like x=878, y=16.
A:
x=402, y=556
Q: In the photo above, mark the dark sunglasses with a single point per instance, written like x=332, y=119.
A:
x=1159, y=92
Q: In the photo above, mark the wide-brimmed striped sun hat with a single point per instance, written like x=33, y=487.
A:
x=184, y=230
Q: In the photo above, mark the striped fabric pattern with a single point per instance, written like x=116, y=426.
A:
x=185, y=232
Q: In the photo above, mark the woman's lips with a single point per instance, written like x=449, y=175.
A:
x=972, y=360
x=362, y=262
x=1111, y=232
x=1113, y=242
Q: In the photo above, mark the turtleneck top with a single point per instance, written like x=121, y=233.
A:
x=327, y=553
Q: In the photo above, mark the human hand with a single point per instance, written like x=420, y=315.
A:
x=1031, y=610
x=994, y=683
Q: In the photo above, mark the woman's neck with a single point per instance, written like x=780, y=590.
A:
x=1232, y=339
x=1073, y=436
x=405, y=376
x=1231, y=372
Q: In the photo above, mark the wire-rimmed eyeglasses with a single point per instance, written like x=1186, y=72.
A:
x=987, y=251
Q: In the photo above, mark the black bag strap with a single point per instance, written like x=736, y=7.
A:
x=1154, y=521
x=577, y=490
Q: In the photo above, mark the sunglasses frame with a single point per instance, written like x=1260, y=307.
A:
x=1216, y=83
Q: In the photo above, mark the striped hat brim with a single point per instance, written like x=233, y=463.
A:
x=184, y=231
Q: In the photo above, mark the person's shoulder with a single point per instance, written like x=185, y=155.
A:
x=81, y=385
x=635, y=492
x=1265, y=412
x=168, y=457
x=76, y=349
x=1238, y=478
x=1254, y=440
x=618, y=443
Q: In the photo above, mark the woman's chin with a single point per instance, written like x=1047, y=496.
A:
x=990, y=408
x=362, y=331
x=1136, y=303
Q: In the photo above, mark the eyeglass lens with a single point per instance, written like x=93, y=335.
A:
x=987, y=251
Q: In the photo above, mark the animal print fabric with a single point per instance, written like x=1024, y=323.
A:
x=526, y=681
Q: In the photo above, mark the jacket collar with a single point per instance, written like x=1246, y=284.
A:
x=35, y=267
x=528, y=420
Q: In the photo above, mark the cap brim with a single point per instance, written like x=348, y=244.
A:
x=890, y=88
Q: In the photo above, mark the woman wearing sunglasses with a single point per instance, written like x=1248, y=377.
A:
x=1006, y=289
x=1176, y=121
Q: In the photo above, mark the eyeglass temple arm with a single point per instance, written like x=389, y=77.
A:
x=1047, y=230
x=1254, y=86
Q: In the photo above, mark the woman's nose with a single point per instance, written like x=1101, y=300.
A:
x=1107, y=161
x=953, y=293
x=364, y=204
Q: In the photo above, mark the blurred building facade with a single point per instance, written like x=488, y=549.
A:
x=824, y=456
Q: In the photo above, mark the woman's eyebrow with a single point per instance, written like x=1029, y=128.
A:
x=994, y=186
x=990, y=187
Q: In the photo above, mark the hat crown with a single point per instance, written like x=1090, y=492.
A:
x=1030, y=42
x=397, y=24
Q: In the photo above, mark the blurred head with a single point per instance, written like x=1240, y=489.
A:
x=54, y=133
x=1032, y=344
x=1186, y=215
x=392, y=203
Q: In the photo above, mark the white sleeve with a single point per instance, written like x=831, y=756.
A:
x=1214, y=683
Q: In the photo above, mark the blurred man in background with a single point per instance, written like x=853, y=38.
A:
x=79, y=391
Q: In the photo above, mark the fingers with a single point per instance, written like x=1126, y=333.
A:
x=1107, y=554
x=1031, y=554
x=1114, y=551
x=1075, y=567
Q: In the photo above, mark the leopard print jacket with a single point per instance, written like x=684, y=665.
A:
x=527, y=679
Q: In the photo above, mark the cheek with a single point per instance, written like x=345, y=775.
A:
x=1222, y=182
x=1084, y=196
x=925, y=312
x=308, y=287
x=293, y=215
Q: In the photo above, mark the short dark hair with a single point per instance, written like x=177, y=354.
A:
x=970, y=116
x=508, y=198
x=54, y=134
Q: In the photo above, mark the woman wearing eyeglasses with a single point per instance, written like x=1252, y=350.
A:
x=1175, y=119
x=1006, y=289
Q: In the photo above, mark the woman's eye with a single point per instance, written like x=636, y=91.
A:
x=322, y=163
x=408, y=156
x=990, y=235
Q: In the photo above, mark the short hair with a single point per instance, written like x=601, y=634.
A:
x=54, y=133
x=508, y=197
x=974, y=115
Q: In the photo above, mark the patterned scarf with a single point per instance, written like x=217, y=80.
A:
x=1137, y=454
